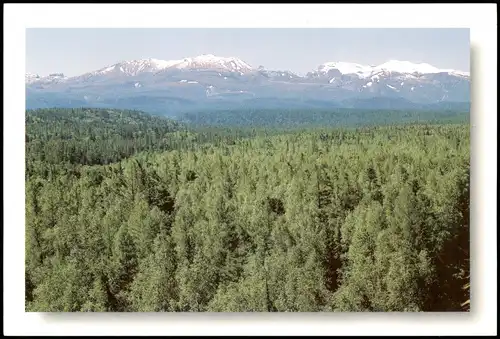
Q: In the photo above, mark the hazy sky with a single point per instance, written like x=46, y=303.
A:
x=75, y=51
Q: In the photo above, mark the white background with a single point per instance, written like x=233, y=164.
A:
x=480, y=18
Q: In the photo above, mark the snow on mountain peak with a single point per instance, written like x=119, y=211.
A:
x=346, y=68
x=51, y=78
x=210, y=61
x=134, y=67
x=396, y=66
x=31, y=77
x=407, y=67
x=204, y=61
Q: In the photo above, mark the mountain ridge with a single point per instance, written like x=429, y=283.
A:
x=212, y=61
x=207, y=81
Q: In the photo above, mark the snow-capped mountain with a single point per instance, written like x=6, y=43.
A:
x=205, y=61
x=207, y=81
x=135, y=67
x=212, y=62
x=391, y=66
x=416, y=82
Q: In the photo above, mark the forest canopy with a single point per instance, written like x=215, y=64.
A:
x=130, y=212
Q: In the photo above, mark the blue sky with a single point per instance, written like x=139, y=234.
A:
x=75, y=51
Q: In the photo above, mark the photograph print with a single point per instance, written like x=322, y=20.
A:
x=247, y=170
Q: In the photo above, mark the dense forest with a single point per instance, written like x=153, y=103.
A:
x=131, y=212
x=339, y=117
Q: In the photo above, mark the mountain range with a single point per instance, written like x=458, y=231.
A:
x=208, y=82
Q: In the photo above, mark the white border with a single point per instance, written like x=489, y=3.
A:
x=481, y=19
